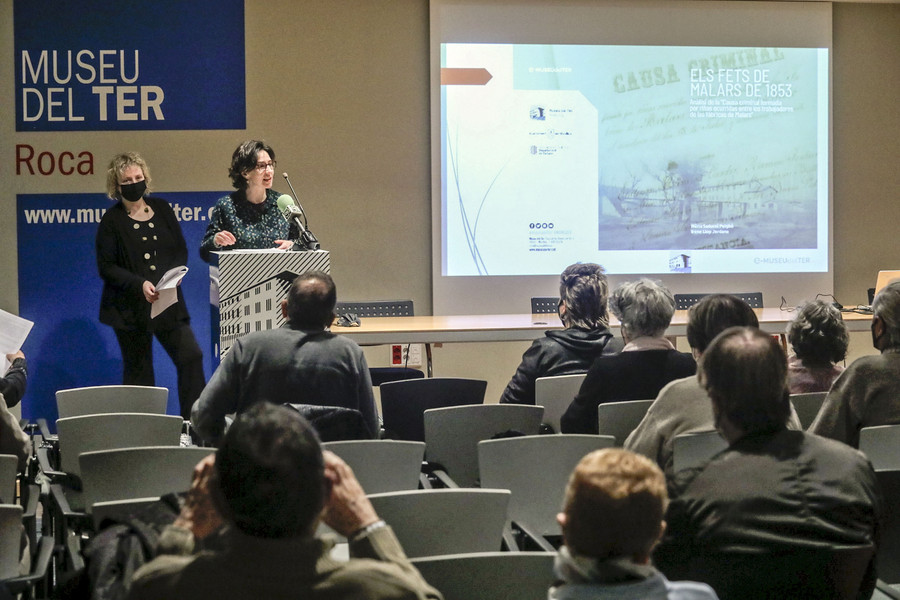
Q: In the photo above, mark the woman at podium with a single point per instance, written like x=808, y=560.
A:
x=138, y=241
x=249, y=217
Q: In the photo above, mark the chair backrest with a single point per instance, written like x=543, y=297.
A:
x=826, y=572
x=145, y=472
x=889, y=546
x=544, y=304
x=118, y=510
x=807, y=406
x=335, y=423
x=685, y=301
x=10, y=539
x=535, y=469
x=555, y=394
x=101, y=399
x=114, y=430
x=446, y=521
x=9, y=470
x=489, y=575
x=619, y=419
x=882, y=445
x=382, y=465
x=404, y=402
x=452, y=434
x=376, y=308
x=692, y=449
x=381, y=375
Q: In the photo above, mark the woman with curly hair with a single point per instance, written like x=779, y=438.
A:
x=819, y=339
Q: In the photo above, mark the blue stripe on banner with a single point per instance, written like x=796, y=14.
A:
x=96, y=65
x=59, y=289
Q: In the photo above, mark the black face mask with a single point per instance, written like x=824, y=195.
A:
x=133, y=191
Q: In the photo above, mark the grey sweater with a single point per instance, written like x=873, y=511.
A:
x=286, y=366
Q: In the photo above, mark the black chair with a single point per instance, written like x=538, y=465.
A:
x=385, y=308
x=685, y=301
x=889, y=548
x=820, y=573
x=403, y=403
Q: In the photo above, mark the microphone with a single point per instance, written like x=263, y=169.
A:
x=292, y=214
x=307, y=237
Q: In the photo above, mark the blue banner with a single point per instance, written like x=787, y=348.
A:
x=59, y=289
x=96, y=65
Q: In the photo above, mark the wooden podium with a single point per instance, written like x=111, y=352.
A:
x=246, y=288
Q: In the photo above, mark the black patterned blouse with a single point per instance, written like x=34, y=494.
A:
x=255, y=226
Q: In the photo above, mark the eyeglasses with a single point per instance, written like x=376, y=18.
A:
x=262, y=166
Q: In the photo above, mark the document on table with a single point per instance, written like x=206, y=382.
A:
x=13, y=331
x=168, y=290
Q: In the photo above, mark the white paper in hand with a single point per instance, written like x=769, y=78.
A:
x=168, y=290
x=13, y=331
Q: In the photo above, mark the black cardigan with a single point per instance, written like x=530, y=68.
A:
x=635, y=375
x=122, y=304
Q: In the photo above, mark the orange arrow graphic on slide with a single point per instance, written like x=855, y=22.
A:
x=460, y=76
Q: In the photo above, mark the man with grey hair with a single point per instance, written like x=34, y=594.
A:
x=867, y=393
x=583, y=294
x=647, y=362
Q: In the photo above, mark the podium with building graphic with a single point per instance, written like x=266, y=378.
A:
x=246, y=288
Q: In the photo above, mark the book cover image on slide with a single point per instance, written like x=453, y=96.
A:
x=648, y=159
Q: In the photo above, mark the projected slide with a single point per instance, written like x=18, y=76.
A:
x=646, y=159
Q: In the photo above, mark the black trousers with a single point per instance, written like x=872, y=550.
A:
x=181, y=346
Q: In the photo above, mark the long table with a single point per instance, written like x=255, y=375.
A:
x=439, y=329
x=522, y=327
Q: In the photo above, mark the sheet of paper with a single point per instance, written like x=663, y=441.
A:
x=168, y=290
x=13, y=331
x=257, y=250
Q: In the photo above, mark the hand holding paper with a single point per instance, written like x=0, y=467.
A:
x=167, y=288
x=13, y=331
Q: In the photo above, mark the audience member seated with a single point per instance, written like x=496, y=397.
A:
x=867, y=393
x=611, y=519
x=12, y=387
x=773, y=490
x=12, y=439
x=12, y=384
x=683, y=406
x=303, y=363
x=583, y=293
x=819, y=339
x=267, y=487
x=647, y=362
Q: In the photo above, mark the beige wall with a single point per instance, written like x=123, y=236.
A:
x=340, y=90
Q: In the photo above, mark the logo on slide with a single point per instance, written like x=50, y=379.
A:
x=680, y=263
x=537, y=113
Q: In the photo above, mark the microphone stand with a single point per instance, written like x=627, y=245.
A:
x=307, y=238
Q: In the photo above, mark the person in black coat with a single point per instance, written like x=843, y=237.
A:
x=138, y=240
x=647, y=362
x=583, y=296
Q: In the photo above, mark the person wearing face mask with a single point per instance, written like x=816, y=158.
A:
x=138, y=240
x=249, y=217
x=867, y=393
x=583, y=311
